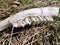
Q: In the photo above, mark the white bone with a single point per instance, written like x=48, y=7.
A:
x=21, y=23
x=51, y=11
x=28, y=21
x=15, y=24
x=47, y=18
x=40, y=18
x=36, y=18
x=50, y=18
x=45, y=11
x=43, y=18
x=33, y=19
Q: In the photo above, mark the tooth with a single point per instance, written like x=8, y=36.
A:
x=33, y=19
x=28, y=21
x=37, y=19
x=40, y=18
x=47, y=18
x=50, y=18
x=43, y=18
x=21, y=23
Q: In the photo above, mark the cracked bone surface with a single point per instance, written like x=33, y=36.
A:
x=44, y=11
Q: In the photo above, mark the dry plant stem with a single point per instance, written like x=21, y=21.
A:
x=29, y=38
x=10, y=43
x=4, y=38
x=57, y=41
x=32, y=42
x=11, y=34
x=45, y=11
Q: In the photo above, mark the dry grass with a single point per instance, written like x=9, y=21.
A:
x=28, y=36
x=39, y=35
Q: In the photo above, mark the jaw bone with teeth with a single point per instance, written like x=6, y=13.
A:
x=29, y=20
x=22, y=18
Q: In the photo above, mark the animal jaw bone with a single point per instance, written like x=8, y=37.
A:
x=45, y=11
x=29, y=20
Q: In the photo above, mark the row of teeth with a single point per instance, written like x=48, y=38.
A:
x=29, y=20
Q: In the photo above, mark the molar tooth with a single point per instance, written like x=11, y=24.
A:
x=50, y=18
x=33, y=19
x=47, y=18
x=21, y=23
x=28, y=21
x=40, y=18
x=43, y=18
x=37, y=19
